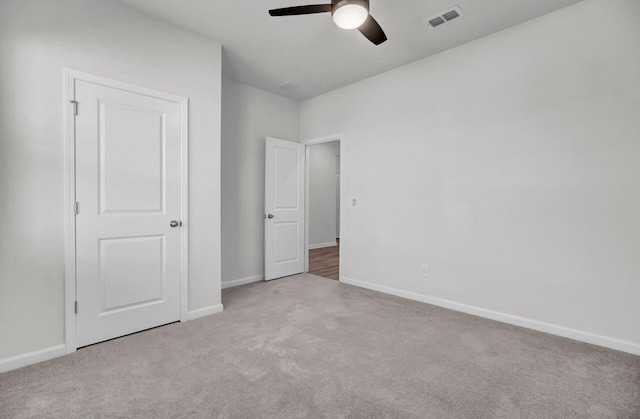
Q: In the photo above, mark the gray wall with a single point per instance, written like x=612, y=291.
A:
x=322, y=193
x=249, y=115
x=510, y=167
x=37, y=40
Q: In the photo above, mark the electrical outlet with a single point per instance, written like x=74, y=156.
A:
x=230, y=261
x=424, y=270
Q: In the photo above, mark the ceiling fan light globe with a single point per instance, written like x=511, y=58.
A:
x=350, y=16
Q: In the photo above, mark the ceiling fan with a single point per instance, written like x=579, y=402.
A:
x=347, y=14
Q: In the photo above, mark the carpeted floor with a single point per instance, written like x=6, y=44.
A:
x=311, y=347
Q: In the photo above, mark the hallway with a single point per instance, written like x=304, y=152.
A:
x=325, y=262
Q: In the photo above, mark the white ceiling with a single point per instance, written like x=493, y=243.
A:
x=264, y=51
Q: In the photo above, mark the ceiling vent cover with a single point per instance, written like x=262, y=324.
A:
x=445, y=17
x=289, y=85
x=437, y=22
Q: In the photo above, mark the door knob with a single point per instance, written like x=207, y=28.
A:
x=270, y=216
x=175, y=223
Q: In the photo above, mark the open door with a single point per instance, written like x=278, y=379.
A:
x=284, y=208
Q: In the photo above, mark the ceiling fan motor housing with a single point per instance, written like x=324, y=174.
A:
x=336, y=4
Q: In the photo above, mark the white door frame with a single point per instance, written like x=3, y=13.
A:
x=308, y=144
x=70, y=77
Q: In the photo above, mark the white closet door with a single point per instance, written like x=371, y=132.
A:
x=128, y=188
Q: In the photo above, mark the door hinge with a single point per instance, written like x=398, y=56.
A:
x=76, y=207
x=75, y=107
x=75, y=306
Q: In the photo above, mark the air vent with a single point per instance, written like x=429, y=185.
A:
x=449, y=16
x=437, y=22
x=289, y=85
x=445, y=17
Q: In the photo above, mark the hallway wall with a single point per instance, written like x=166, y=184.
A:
x=323, y=166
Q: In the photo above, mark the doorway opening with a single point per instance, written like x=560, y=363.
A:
x=323, y=207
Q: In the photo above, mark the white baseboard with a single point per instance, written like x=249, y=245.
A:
x=19, y=361
x=206, y=311
x=242, y=281
x=605, y=341
x=322, y=245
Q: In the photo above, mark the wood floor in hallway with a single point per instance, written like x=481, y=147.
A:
x=325, y=262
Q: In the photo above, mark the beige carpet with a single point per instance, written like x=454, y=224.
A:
x=311, y=347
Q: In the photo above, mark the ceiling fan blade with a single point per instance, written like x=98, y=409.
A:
x=301, y=10
x=372, y=31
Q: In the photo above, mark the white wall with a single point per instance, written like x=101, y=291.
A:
x=37, y=40
x=249, y=115
x=323, y=167
x=511, y=167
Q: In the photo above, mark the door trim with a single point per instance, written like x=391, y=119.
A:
x=343, y=205
x=69, y=78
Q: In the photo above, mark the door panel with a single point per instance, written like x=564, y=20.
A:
x=287, y=179
x=131, y=178
x=284, y=208
x=128, y=188
x=131, y=271
x=285, y=241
